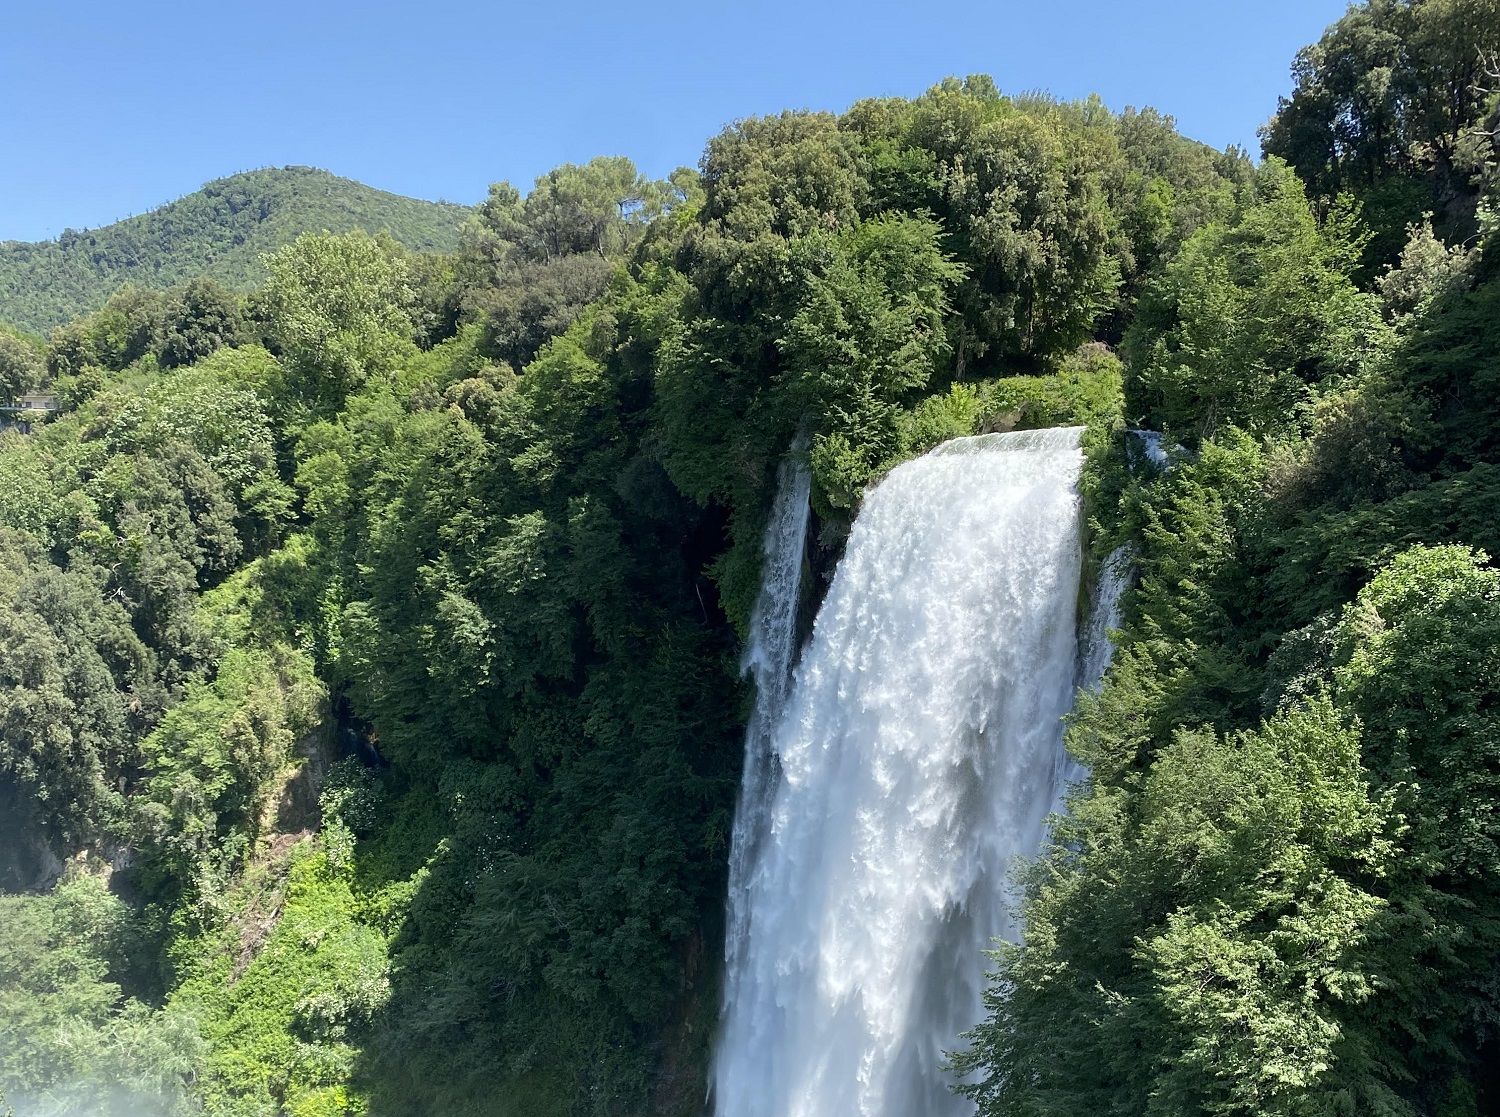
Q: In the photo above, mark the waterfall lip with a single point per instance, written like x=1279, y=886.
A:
x=1037, y=438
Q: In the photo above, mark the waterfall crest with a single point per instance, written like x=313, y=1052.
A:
x=915, y=756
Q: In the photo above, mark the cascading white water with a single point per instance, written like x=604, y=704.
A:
x=1150, y=444
x=919, y=754
x=769, y=654
x=1096, y=649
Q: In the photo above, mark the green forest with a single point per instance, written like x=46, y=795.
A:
x=370, y=703
x=220, y=232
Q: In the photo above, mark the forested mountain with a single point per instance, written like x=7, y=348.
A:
x=220, y=231
x=370, y=703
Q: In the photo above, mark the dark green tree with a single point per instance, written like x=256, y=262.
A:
x=21, y=367
x=1252, y=315
x=200, y=318
x=1384, y=107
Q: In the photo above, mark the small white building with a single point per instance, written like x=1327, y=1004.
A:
x=34, y=401
x=16, y=414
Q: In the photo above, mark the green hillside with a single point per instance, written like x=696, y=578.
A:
x=221, y=231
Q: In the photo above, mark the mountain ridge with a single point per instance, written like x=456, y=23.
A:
x=219, y=230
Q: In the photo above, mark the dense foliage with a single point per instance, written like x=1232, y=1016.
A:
x=1277, y=893
x=220, y=231
x=370, y=711
x=1390, y=106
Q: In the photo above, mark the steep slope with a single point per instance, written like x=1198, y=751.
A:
x=221, y=231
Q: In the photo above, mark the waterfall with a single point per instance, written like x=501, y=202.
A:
x=769, y=654
x=1151, y=447
x=1095, y=648
x=916, y=755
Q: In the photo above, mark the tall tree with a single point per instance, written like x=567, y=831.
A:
x=1382, y=106
x=1250, y=315
x=20, y=366
x=336, y=307
x=200, y=318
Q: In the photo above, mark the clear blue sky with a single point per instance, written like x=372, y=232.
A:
x=111, y=108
